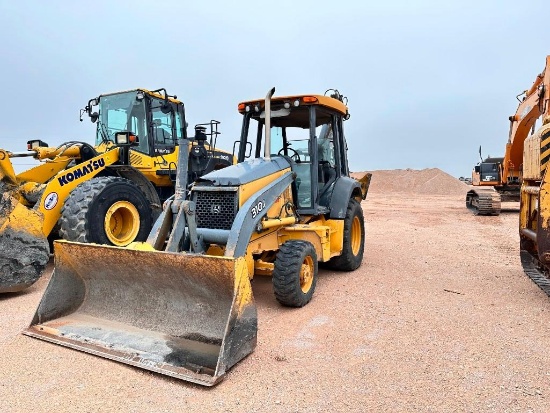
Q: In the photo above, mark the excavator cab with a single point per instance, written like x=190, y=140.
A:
x=489, y=171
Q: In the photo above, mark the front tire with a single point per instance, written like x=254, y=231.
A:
x=354, y=240
x=295, y=273
x=106, y=210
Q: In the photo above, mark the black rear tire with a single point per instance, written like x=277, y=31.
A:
x=84, y=212
x=295, y=273
x=354, y=240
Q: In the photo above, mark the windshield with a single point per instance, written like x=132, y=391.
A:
x=122, y=112
x=489, y=172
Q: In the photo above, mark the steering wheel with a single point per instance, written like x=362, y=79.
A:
x=295, y=155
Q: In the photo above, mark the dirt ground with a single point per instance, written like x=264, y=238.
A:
x=439, y=318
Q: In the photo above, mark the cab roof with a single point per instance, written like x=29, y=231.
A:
x=147, y=91
x=320, y=100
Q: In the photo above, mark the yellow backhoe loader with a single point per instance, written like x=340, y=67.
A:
x=107, y=194
x=181, y=303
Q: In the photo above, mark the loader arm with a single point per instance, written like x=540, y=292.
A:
x=7, y=173
x=24, y=228
x=59, y=188
x=245, y=223
x=25, y=185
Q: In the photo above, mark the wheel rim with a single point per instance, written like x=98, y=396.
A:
x=355, y=235
x=122, y=223
x=306, y=274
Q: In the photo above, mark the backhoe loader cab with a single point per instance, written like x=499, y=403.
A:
x=308, y=132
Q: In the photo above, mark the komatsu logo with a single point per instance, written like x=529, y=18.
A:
x=82, y=171
x=51, y=200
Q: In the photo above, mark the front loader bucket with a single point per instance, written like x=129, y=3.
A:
x=24, y=249
x=187, y=316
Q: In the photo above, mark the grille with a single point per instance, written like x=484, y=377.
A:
x=216, y=210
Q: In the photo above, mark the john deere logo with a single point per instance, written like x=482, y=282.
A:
x=216, y=209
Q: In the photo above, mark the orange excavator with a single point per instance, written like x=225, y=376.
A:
x=499, y=179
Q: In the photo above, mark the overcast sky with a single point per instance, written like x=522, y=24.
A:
x=428, y=81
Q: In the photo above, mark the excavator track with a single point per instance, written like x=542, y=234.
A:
x=532, y=269
x=483, y=202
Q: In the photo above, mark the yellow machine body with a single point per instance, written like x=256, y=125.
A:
x=181, y=303
x=55, y=198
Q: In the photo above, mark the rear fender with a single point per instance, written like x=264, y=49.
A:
x=345, y=188
x=137, y=177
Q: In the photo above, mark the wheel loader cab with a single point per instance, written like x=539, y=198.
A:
x=158, y=120
x=308, y=132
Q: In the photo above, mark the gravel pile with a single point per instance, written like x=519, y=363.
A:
x=426, y=181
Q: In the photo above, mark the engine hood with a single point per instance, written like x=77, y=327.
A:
x=244, y=172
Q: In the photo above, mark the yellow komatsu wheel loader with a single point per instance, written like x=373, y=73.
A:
x=110, y=193
x=181, y=303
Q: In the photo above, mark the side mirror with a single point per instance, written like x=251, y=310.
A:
x=476, y=168
x=94, y=117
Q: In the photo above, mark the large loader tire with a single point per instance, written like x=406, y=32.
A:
x=106, y=210
x=354, y=240
x=295, y=273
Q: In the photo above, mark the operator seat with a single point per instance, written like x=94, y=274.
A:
x=327, y=176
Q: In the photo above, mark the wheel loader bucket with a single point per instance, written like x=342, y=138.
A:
x=24, y=249
x=187, y=316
